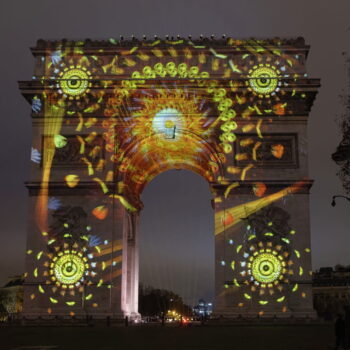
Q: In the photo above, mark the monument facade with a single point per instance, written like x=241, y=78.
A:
x=109, y=116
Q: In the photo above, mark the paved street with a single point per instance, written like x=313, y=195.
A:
x=304, y=337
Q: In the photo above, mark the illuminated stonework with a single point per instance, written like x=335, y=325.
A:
x=67, y=268
x=219, y=108
x=266, y=267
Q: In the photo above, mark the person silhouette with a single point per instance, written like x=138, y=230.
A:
x=339, y=328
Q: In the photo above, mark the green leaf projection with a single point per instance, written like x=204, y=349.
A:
x=110, y=116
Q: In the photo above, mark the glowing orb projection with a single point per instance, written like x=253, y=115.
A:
x=168, y=121
x=266, y=267
x=68, y=268
x=74, y=81
x=264, y=80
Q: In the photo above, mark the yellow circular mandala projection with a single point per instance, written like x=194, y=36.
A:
x=74, y=81
x=263, y=80
x=68, y=268
x=266, y=267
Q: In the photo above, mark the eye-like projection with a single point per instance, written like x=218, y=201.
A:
x=74, y=81
x=266, y=267
x=264, y=80
x=67, y=268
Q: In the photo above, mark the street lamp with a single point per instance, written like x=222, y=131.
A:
x=337, y=196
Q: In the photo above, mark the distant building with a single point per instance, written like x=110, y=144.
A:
x=203, y=308
x=331, y=291
x=11, y=297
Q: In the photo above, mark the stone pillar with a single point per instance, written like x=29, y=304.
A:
x=286, y=223
x=130, y=284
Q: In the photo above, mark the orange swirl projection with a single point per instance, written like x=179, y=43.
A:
x=164, y=130
x=242, y=211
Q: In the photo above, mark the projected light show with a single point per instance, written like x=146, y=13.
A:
x=109, y=116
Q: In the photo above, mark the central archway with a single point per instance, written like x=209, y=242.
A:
x=191, y=152
x=177, y=236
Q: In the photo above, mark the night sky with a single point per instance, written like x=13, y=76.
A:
x=177, y=222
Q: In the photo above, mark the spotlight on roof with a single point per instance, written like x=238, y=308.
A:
x=224, y=36
x=212, y=36
x=121, y=38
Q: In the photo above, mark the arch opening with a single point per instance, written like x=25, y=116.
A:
x=176, y=239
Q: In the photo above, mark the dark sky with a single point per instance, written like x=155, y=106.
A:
x=176, y=196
